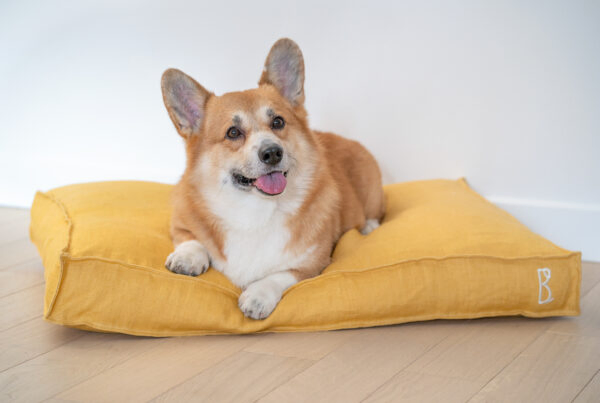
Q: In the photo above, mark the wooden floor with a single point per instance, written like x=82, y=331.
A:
x=500, y=359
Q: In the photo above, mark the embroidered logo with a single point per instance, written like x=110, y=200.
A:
x=546, y=274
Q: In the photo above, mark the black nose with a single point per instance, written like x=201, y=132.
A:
x=270, y=154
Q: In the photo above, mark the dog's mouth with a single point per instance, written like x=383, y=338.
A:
x=270, y=184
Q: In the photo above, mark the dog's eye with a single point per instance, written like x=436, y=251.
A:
x=277, y=123
x=233, y=132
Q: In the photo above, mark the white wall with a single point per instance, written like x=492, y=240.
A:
x=505, y=93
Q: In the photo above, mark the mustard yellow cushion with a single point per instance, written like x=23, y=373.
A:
x=442, y=252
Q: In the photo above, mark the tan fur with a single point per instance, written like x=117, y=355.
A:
x=352, y=182
x=344, y=190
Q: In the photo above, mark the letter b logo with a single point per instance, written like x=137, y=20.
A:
x=544, y=275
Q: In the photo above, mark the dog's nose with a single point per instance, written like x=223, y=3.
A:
x=270, y=154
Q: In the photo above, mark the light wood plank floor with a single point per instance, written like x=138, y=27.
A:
x=499, y=359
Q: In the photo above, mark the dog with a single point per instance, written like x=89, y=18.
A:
x=263, y=198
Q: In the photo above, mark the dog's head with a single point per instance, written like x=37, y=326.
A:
x=255, y=142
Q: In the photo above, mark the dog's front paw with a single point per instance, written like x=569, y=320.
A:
x=189, y=258
x=257, y=301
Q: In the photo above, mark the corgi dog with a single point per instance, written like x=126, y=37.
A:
x=263, y=198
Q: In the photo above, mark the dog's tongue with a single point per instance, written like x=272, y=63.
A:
x=273, y=183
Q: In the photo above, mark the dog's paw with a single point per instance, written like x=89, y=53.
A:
x=189, y=258
x=258, y=301
x=370, y=225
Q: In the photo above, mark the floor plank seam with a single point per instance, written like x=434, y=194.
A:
x=20, y=323
x=23, y=289
x=196, y=374
x=591, y=290
x=585, y=386
x=19, y=262
x=270, y=354
x=28, y=320
x=579, y=335
x=510, y=362
x=40, y=354
x=313, y=362
x=299, y=373
x=29, y=260
x=96, y=374
x=404, y=368
x=589, y=266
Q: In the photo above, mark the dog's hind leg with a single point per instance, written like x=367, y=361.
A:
x=370, y=225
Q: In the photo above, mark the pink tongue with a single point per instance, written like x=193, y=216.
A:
x=273, y=183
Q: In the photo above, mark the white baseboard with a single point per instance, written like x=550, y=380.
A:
x=573, y=226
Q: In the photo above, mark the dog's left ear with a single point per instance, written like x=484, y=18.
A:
x=284, y=69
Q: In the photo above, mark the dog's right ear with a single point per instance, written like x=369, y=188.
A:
x=284, y=69
x=185, y=100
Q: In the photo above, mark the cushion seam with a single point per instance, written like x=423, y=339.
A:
x=415, y=260
x=336, y=326
x=319, y=277
x=64, y=251
x=152, y=271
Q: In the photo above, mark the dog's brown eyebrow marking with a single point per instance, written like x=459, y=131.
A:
x=237, y=121
x=270, y=113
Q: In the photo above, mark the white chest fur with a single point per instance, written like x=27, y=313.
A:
x=256, y=238
x=253, y=253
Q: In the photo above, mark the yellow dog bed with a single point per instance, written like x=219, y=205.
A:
x=442, y=252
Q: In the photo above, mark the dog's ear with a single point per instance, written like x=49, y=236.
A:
x=284, y=69
x=185, y=100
